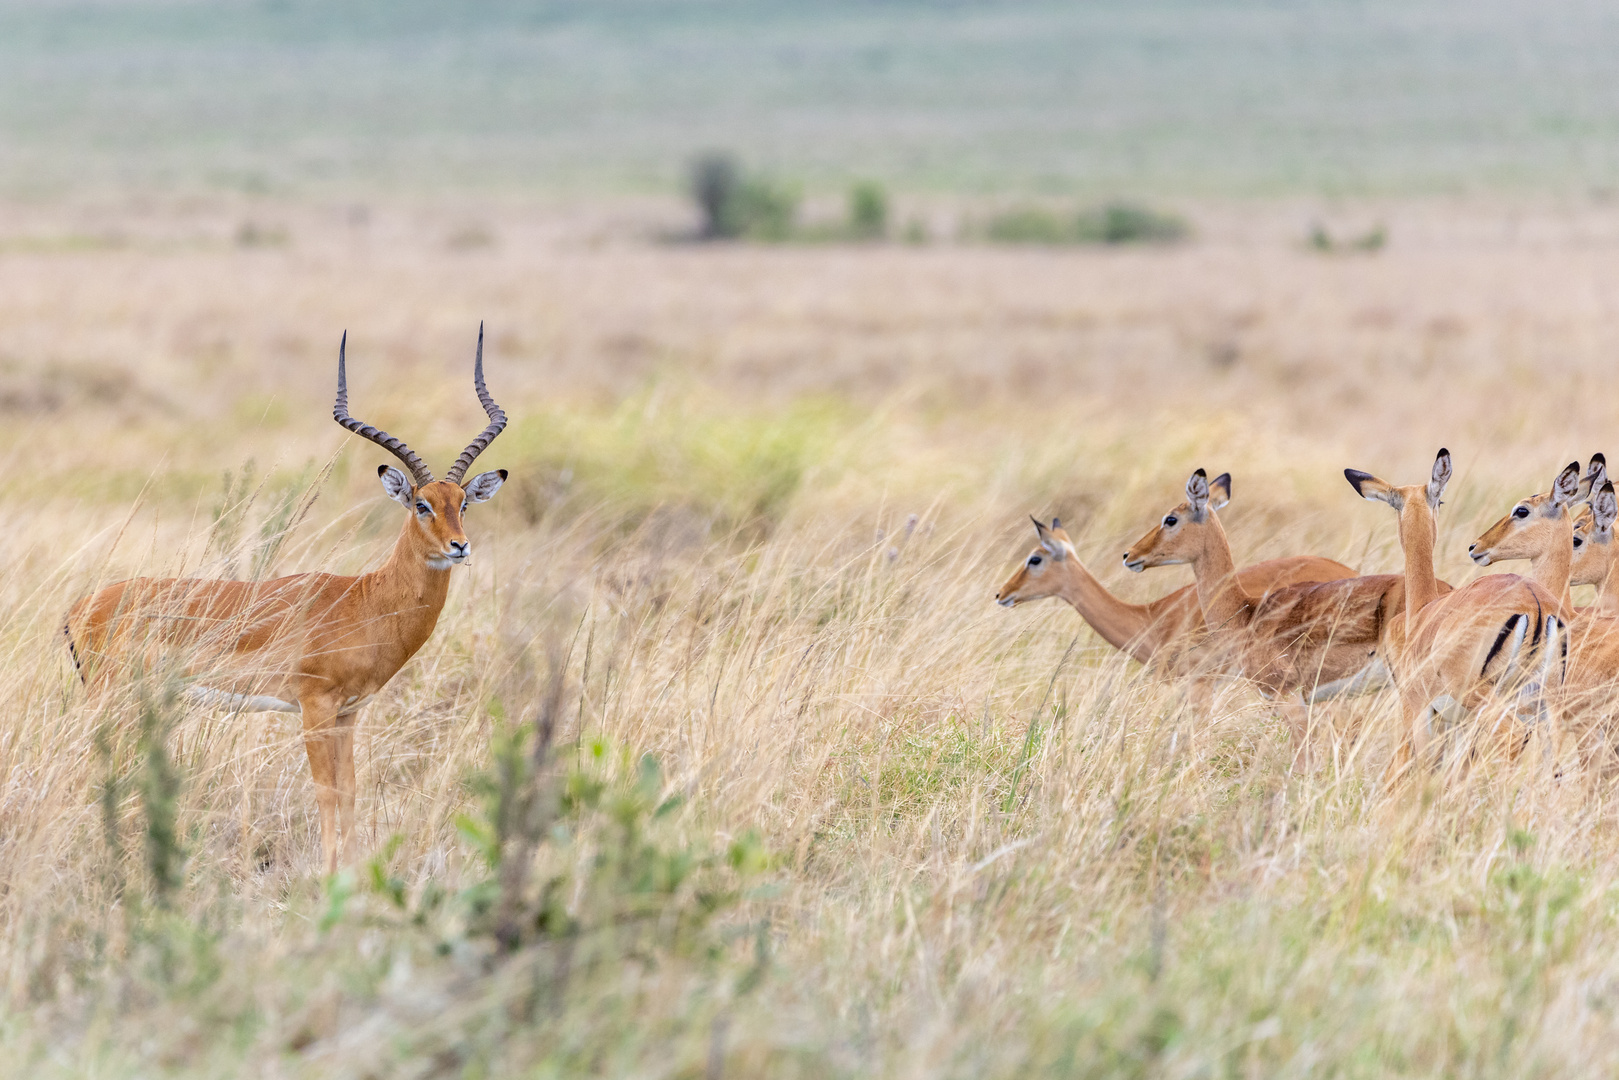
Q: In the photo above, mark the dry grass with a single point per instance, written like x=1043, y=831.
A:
x=761, y=499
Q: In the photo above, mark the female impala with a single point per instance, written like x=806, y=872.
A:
x=315, y=644
x=1160, y=632
x=1298, y=638
x=1502, y=634
x=1594, y=550
x=1540, y=529
x=1548, y=540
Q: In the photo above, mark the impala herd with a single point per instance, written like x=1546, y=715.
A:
x=1504, y=656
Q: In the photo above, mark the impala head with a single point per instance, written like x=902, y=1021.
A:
x=1416, y=504
x=1180, y=535
x=1593, y=537
x=436, y=506
x=1535, y=526
x=1042, y=573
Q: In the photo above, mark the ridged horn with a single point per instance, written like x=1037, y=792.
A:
x=340, y=412
x=497, y=420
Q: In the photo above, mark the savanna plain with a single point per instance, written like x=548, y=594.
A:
x=722, y=760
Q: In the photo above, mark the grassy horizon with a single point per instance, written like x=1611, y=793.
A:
x=1161, y=99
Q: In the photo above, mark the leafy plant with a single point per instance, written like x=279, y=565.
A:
x=868, y=211
x=1114, y=223
x=734, y=205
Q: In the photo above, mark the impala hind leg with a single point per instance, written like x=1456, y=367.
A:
x=321, y=744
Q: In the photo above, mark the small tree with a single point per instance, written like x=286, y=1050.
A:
x=868, y=211
x=716, y=183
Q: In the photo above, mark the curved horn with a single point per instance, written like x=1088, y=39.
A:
x=497, y=420
x=340, y=413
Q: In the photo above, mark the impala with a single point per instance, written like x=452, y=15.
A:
x=1548, y=539
x=1540, y=529
x=1301, y=638
x=1594, y=550
x=1159, y=632
x=1498, y=636
x=315, y=644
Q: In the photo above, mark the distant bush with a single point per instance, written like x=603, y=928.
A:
x=1124, y=223
x=1028, y=225
x=735, y=206
x=1322, y=240
x=1114, y=223
x=715, y=182
x=868, y=211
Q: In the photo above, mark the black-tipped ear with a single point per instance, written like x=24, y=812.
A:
x=1604, y=507
x=1197, y=493
x=1595, y=473
x=1039, y=526
x=1056, y=523
x=1220, y=491
x=1440, y=477
x=1567, y=485
x=1356, y=478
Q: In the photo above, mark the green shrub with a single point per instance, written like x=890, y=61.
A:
x=1319, y=239
x=1028, y=225
x=734, y=205
x=1125, y=223
x=868, y=211
x=1114, y=223
x=715, y=182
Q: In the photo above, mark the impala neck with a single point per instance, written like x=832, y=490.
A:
x=1550, y=569
x=418, y=589
x=1218, y=592
x=1607, y=602
x=1417, y=529
x=1124, y=626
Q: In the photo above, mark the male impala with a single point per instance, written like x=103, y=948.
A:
x=1159, y=632
x=1499, y=635
x=1298, y=638
x=315, y=644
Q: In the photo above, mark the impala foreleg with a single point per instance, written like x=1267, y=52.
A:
x=321, y=743
x=345, y=782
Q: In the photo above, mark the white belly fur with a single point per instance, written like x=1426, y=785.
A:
x=224, y=699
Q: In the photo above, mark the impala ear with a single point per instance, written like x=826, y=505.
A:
x=1604, y=508
x=482, y=488
x=1595, y=474
x=1220, y=491
x=1441, y=477
x=397, y=485
x=1197, y=494
x=1566, y=488
x=1372, y=489
x=1048, y=538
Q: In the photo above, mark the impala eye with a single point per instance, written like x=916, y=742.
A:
x=1171, y=521
x=1578, y=540
x=423, y=508
x=1034, y=560
x=1521, y=512
x=463, y=506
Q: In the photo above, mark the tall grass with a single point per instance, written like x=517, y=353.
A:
x=721, y=760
